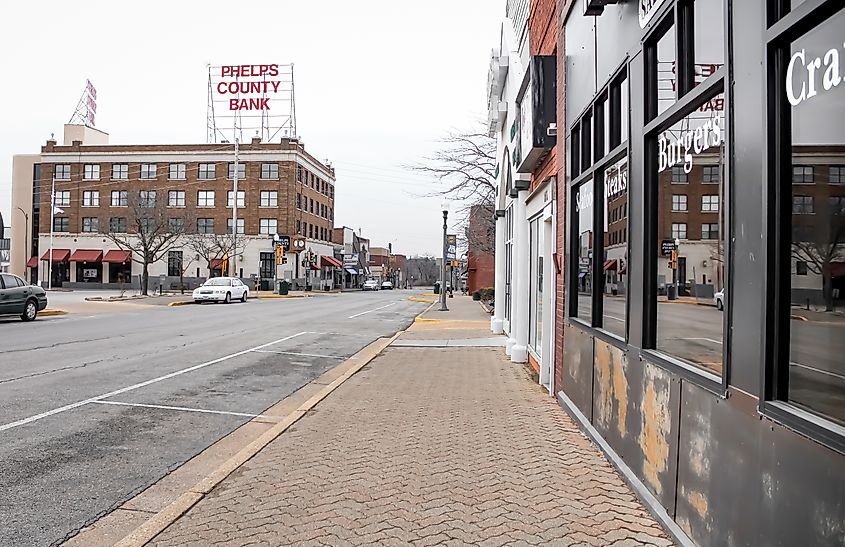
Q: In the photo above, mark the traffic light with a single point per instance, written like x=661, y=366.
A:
x=280, y=255
x=673, y=260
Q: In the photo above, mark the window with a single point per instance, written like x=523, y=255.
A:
x=836, y=174
x=149, y=171
x=90, y=224
x=269, y=198
x=241, y=171
x=709, y=50
x=679, y=230
x=709, y=231
x=299, y=173
x=61, y=224
x=206, y=171
x=205, y=225
x=90, y=198
x=62, y=171
x=120, y=171
x=176, y=198
x=615, y=251
x=229, y=225
x=584, y=221
x=298, y=227
x=119, y=198
x=241, y=198
x=268, y=226
x=91, y=171
x=535, y=286
x=709, y=204
x=679, y=202
x=174, y=263
x=117, y=225
x=176, y=225
x=802, y=174
x=679, y=176
x=205, y=198
x=311, y=203
x=270, y=171
x=800, y=267
x=803, y=205
x=63, y=198
x=147, y=198
x=836, y=205
x=299, y=201
x=311, y=231
x=710, y=174
x=666, y=84
x=177, y=171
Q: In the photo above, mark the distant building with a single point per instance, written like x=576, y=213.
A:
x=481, y=246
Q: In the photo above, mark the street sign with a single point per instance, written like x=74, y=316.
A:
x=667, y=246
x=284, y=241
x=451, y=247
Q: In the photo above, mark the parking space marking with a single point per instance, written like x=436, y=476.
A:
x=370, y=311
x=139, y=385
x=298, y=354
x=182, y=408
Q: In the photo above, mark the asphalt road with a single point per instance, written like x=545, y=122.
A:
x=69, y=453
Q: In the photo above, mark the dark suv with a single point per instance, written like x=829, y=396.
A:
x=17, y=297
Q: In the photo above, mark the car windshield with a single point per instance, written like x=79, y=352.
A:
x=217, y=282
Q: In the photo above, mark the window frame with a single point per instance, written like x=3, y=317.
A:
x=203, y=199
x=89, y=221
x=59, y=222
x=114, y=227
x=178, y=194
x=241, y=225
x=91, y=171
x=121, y=170
x=122, y=198
x=269, y=165
x=262, y=222
x=207, y=222
x=145, y=171
x=64, y=167
x=206, y=171
x=230, y=171
x=90, y=198
x=271, y=201
x=184, y=170
x=241, y=199
x=62, y=198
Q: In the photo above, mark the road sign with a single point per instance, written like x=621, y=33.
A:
x=284, y=241
x=667, y=246
x=451, y=247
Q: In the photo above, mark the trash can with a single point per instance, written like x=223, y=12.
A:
x=672, y=292
x=437, y=287
x=265, y=285
x=284, y=287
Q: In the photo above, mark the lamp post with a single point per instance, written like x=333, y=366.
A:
x=25, y=240
x=445, y=208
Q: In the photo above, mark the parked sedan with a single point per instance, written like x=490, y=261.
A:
x=221, y=289
x=370, y=285
x=17, y=297
x=719, y=300
x=386, y=286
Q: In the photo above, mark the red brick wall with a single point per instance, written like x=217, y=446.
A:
x=560, y=305
x=481, y=269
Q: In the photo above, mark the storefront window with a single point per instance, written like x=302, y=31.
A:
x=584, y=213
x=535, y=335
x=690, y=240
x=815, y=92
x=508, y=261
x=709, y=42
x=615, y=265
x=667, y=80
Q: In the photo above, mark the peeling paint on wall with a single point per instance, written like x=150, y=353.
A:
x=656, y=425
x=611, y=387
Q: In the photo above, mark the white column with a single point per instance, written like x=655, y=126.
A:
x=497, y=321
x=519, y=311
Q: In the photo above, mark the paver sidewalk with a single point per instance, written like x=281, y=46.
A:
x=426, y=445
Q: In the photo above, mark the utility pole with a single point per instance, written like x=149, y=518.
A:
x=52, y=221
x=445, y=208
x=233, y=263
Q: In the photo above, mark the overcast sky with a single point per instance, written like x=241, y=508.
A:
x=377, y=83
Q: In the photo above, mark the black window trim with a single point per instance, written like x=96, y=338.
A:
x=774, y=372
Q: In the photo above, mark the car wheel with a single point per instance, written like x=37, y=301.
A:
x=719, y=305
x=243, y=297
x=228, y=298
x=30, y=311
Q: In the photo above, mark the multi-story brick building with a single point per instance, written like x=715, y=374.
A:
x=282, y=189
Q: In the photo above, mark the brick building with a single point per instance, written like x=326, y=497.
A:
x=282, y=189
x=481, y=249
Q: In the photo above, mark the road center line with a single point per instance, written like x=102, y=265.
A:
x=369, y=311
x=298, y=354
x=98, y=398
x=182, y=408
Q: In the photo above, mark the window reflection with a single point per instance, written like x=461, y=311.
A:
x=584, y=221
x=817, y=262
x=709, y=38
x=690, y=215
x=667, y=78
x=615, y=265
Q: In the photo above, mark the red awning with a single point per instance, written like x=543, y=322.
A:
x=623, y=271
x=86, y=255
x=59, y=255
x=610, y=264
x=314, y=266
x=837, y=269
x=215, y=264
x=32, y=262
x=330, y=262
x=117, y=257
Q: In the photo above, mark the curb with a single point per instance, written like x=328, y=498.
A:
x=51, y=313
x=418, y=299
x=281, y=296
x=180, y=303
x=170, y=514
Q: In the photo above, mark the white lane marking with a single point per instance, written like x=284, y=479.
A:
x=298, y=354
x=705, y=339
x=614, y=317
x=369, y=311
x=182, y=408
x=78, y=404
x=819, y=370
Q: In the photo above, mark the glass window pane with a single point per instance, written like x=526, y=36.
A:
x=584, y=213
x=709, y=39
x=667, y=82
x=615, y=265
x=816, y=342
x=691, y=151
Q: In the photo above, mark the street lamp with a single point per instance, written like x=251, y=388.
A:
x=25, y=240
x=444, y=206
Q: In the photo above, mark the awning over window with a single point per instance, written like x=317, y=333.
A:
x=330, y=262
x=86, y=255
x=215, y=264
x=59, y=255
x=610, y=264
x=117, y=257
x=32, y=262
x=352, y=271
x=313, y=266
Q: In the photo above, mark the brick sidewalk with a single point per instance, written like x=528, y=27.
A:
x=425, y=446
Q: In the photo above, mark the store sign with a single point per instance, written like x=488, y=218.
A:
x=88, y=273
x=667, y=246
x=451, y=247
x=806, y=76
x=616, y=181
x=584, y=198
x=537, y=112
x=647, y=10
x=90, y=98
x=673, y=150
x=247, y=87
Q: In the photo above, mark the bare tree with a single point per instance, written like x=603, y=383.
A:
x=212, y=247
x=422, y=270
x=819, y=244
x=148, y=231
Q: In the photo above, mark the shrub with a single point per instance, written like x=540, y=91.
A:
x=476, y=295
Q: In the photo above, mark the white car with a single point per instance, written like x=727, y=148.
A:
x=387, y=285
x=719, y=299
x=370, y=285
x=221, y=289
